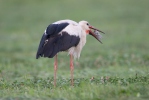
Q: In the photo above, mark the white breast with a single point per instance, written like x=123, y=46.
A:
x=76, y=51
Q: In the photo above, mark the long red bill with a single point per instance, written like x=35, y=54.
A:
x=96, y=29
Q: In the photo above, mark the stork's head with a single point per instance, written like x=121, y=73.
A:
x=89, y=30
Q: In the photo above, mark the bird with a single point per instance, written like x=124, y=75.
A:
x=66, y=35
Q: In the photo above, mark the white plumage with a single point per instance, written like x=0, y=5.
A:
x=65, y=35
x=75, y=29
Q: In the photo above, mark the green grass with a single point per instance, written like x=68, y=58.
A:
x=120, y=66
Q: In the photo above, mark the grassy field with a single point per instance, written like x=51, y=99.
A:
x=118, y=69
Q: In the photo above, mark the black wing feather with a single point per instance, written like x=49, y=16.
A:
x=41, y=45
x=60, y=42
x=52, y=30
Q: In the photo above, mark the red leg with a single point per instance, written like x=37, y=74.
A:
x=71, y=68
x=55, y=69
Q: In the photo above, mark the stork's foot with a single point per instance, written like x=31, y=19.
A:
x=72, y=83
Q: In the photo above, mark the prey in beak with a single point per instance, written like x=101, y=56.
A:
x=96, y=33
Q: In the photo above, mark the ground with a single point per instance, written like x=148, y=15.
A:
x=118, y=69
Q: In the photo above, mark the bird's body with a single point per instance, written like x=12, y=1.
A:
x=65, y=35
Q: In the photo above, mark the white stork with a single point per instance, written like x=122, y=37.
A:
x=65, y=35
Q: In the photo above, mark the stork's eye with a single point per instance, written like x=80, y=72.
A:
x=87, y=24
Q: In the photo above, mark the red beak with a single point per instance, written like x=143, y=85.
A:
x=95, y=33
x=96, y=29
